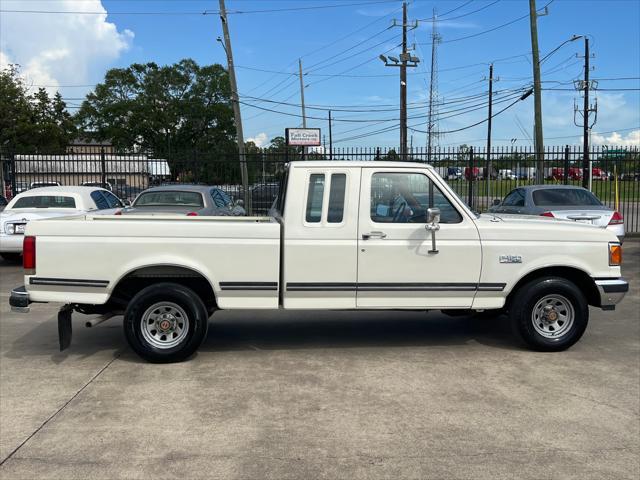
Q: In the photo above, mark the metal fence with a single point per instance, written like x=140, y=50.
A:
x=478, y=178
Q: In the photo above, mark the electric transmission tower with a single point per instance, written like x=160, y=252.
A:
x=432, y=120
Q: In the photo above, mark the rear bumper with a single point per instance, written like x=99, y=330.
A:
x=11, y=243
x=612, y=291
x=19, y=300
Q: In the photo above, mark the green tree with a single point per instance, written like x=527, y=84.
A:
x=31, y=123
x=173, y=110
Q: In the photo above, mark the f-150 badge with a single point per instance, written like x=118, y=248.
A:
x=510, y=258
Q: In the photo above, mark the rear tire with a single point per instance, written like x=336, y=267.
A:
x=549, y=314
x=11, y=257
x=165, y=323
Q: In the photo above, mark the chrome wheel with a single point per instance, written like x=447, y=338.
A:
x=552, y=316
x=164, y=325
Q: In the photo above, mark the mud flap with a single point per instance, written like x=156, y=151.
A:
x=64, y=326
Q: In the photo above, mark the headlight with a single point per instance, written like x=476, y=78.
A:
x=615, y=254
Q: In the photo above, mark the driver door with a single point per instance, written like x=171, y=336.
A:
x=396, y=267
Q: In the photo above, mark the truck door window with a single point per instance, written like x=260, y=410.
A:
x=315, y=195
x=405, y=198
x=336, y=198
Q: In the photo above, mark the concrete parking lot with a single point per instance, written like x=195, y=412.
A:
x=322, y=395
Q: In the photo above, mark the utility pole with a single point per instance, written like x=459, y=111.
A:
x=235, y=102
x=585, y=118
x=490, y=115
x=330, y=139
x=432, y=130
x=406, y=60
x=304, y=116
x=403, y=86
x=586, y=85
x=539, y=141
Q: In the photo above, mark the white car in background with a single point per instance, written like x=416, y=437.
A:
x=49, y=202
x=565, y=202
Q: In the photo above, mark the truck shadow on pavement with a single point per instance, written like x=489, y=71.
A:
x=318, y=329
x=251, y=330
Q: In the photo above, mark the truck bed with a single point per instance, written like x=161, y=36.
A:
x=239, y=256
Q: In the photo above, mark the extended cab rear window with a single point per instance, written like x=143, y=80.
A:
x=335, y=214
x=315, y=195
x=45, y=201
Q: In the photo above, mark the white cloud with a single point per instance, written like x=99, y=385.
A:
x=260, y=139
x=631, y=139
x=59, y=49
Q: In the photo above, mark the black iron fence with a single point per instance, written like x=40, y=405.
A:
x=478, y=178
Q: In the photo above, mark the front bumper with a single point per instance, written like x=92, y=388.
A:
x=612, y=291
x=19, y=300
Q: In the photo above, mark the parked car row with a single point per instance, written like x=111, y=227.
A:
x=49, y=202
x=58, y=201
x=561, y=201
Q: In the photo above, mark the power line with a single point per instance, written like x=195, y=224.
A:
x=596, y=89
x=329, y=44
x=367, y=108
x=453, y=10
x=484, y=120
x=386, y=40
x=201, y=13
x=461, y=111
x=511, y=22
x=460, y=16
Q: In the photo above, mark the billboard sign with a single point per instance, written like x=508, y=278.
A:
x=303, y=137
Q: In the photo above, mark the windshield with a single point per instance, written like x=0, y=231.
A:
x=169, y=198
x=564, y=196
x=45, y=201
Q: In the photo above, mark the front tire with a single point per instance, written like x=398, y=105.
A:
x=165, y=323
x=549, y=314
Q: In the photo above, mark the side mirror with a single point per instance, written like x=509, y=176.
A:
x=496, y=202
x=239, y=203
x=433, y=216
x=433, y=225
x=126, y=203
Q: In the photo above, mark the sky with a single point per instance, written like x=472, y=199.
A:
x=339, y=45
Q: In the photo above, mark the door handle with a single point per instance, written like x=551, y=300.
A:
x=368, y=236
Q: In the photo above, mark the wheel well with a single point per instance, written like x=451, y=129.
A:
x=134, y=281
x=580, y=278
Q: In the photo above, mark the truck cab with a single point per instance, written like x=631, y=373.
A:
x=356, y=238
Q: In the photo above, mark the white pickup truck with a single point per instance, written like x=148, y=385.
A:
x=344, y=236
